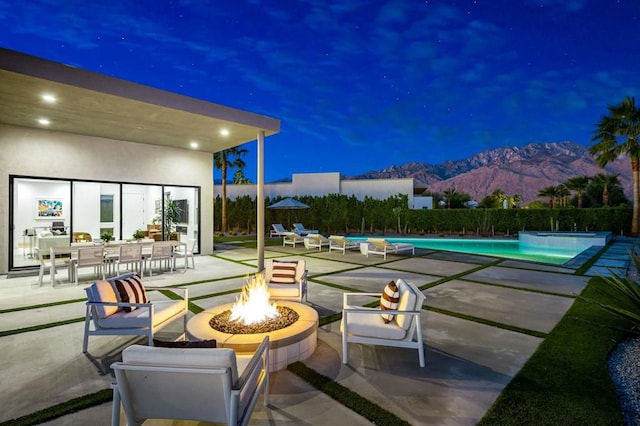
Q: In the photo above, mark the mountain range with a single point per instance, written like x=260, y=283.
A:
x=515, y=170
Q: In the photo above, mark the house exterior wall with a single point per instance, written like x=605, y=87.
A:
x=320, y=184
x=48, y=154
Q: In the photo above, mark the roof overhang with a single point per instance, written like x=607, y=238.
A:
x=93, y=104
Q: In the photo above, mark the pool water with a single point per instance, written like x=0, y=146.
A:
x=502, y=248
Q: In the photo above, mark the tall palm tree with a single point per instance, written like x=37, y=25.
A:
x=224, y=159
x=449, y=195
x=578, y=184
x=616, y=134
x=551, y=192
x=610, y=184
x=562, y=192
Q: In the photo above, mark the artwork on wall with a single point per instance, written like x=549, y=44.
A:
x=49, y=208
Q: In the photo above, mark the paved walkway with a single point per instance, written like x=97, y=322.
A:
x=468, y=361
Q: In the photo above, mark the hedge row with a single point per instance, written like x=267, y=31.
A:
x=341, y=214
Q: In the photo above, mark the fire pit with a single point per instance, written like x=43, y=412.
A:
x=292, y=327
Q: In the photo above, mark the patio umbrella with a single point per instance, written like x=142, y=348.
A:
x=288, y=204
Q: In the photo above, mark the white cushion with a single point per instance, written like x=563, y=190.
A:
x=182, y=357
x=407, y=303
x=283, y=290
x=372, y=325
x=139, y=318
x=102, y=291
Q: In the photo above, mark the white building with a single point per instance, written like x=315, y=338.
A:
x=320, y=184
x=101, y=154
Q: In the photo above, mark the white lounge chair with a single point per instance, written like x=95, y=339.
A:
x=316, y=241
x=367, y=326
x=301, y=230
x=277, y=230
x=339, y=242
x=212, y=385
x=291, y=239
x=384, y=247
x=286, y=279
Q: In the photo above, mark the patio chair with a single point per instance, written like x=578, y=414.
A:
x=185, y=251
x=339, y=242
x=45, y=265
x=291, y=239
x=299, y=229
x=130, y=254
x=161, y=251
x=384, y=247
x=286, y=279
x=399, y=325
x=213, y=385
x=90, y=257
x=316, y=241
x=277, y=230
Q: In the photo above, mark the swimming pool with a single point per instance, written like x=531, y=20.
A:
x=502, y=248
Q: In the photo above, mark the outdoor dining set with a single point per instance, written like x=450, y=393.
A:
x=107, y=259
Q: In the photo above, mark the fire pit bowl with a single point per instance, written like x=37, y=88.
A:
x=295, y=342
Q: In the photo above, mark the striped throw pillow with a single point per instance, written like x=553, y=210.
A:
x=130, y=290
x=284, y=272
x=389, y=301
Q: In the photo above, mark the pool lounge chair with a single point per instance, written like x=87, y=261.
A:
x=384, y=247
x=299, y=228
x=342, y=243
x=316, y=241
x=291, y=238
x=277, y=230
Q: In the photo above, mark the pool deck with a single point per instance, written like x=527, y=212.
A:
x=468, y=363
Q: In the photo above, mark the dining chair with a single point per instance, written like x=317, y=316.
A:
x=90, y=257
x=130, y=254
x=45, y=265
x=186, y=251
x=161, y=251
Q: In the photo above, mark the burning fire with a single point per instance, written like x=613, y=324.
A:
x=252, y=306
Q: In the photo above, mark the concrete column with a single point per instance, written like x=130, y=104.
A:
x=260, y=225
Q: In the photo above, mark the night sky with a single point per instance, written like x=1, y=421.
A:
x=360, y=85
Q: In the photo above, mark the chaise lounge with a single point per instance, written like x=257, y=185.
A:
x=341, y=243
x=384, y=247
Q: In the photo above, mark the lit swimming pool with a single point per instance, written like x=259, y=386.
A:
x=502, y=248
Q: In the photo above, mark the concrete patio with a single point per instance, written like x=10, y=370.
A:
x=468, y=361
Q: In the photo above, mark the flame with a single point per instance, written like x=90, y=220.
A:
x=252, y=306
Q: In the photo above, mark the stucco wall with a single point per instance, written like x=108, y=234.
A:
x=42, y=153
x=319, y=184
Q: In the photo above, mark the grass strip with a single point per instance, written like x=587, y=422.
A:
x=39, y=327
x=41, y=306
x=345, y=396
x=567, y=380
x=484, y=321
x=62, y=409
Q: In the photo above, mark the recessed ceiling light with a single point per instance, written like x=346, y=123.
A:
x=224, y=132
x=44, y=121
x=193, y=144
x=48, y=98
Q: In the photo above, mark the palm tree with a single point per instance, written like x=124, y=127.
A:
x=231, y=157
x=240, y=179
x=449, y=194
x=551, y=192
x=562, y=192
x=609, y=184
x=578, y=184
x=619, y=133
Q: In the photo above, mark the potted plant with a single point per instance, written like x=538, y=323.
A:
x=171, y=215
x=138, y=235
x=106, y=237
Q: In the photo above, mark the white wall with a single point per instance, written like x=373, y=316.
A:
x=423, y=203
x=320, y=184
x=42, y=153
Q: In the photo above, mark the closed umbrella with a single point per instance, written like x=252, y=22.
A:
x=288, y=204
